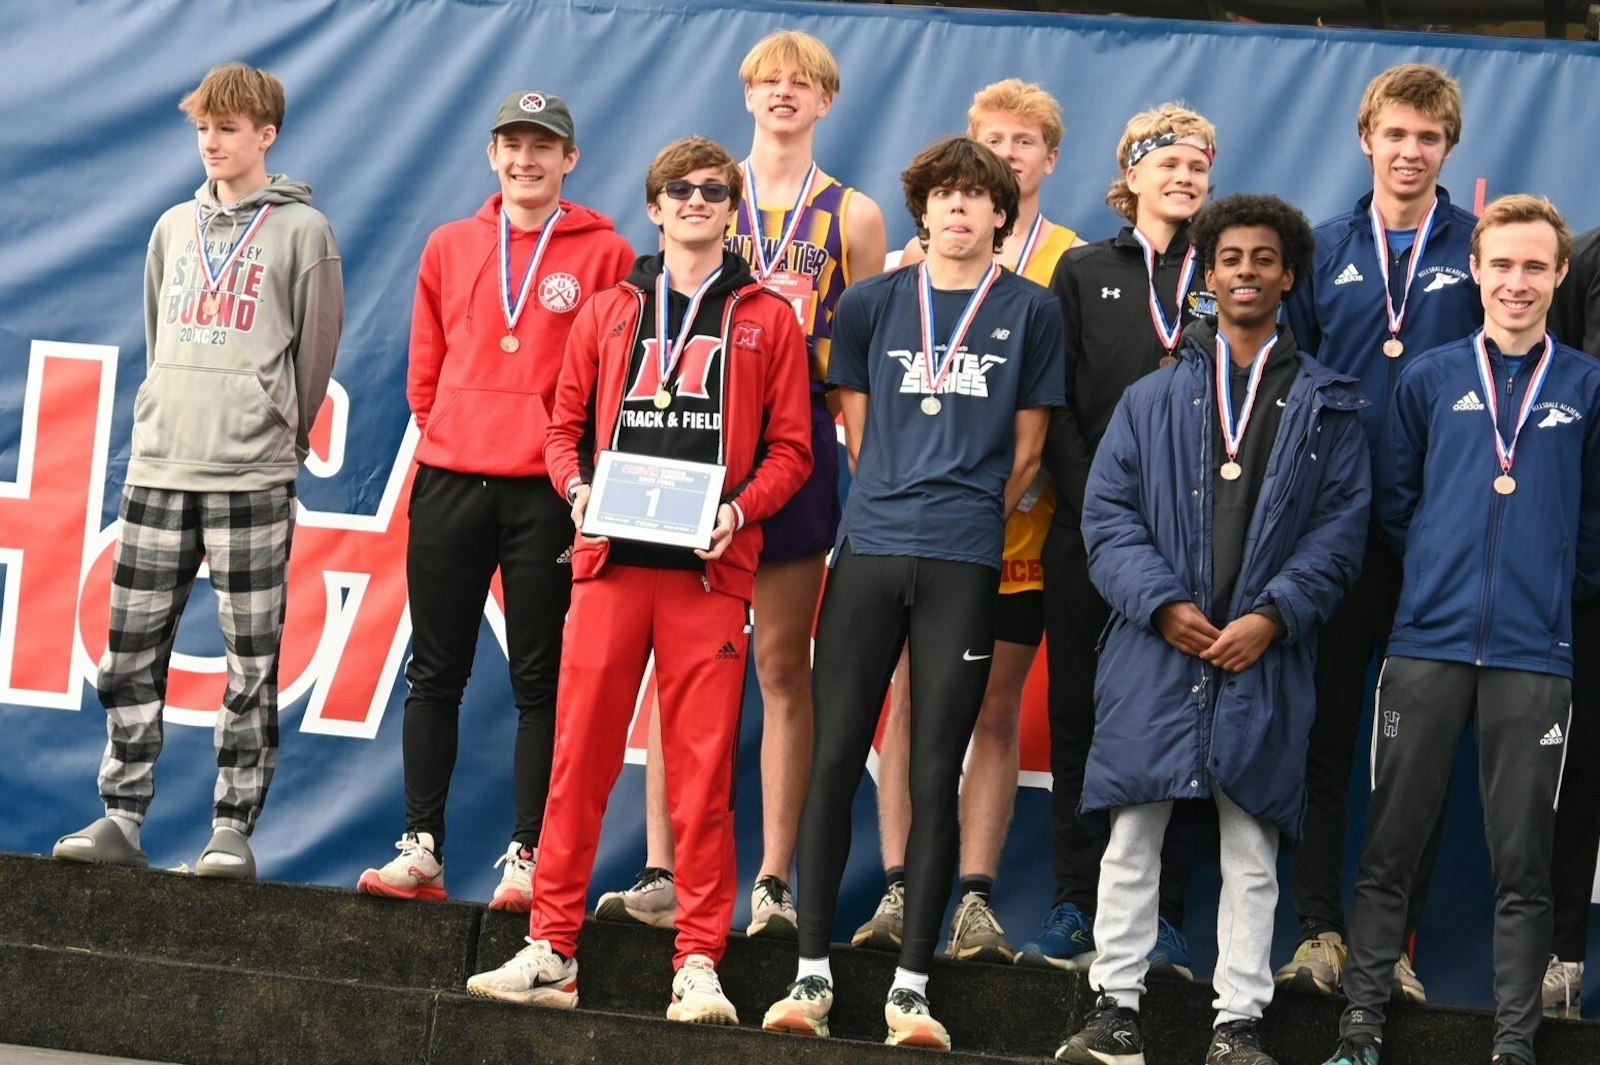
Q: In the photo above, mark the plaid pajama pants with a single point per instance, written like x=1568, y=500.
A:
x=162, y=539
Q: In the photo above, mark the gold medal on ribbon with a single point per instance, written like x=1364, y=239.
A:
x=663, y=399
x=1231, y=471
x=1505, y=484
x=1393, y=347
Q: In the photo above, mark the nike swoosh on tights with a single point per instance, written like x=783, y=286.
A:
x=968, y=656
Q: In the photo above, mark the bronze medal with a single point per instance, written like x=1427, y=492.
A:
x=1231, y=470
x=509, y=344
x=1505, y=484
x=1393, y=347
x=931, y=405
x=663, y=399
x=211, y=305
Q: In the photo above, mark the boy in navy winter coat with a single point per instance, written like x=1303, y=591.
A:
x=1225, y=517
x=1490, y=495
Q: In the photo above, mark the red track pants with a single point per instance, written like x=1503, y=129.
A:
x=700, y=644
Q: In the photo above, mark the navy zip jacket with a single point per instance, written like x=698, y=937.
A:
x=1166, y=723
x=1490, y=579
x=1337, y=310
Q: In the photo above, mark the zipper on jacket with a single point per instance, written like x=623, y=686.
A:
x=1490, y=550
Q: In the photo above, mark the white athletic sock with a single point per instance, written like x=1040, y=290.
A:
x=911, y=981
x=129, y=826
x=426, y=839
x=815, y=967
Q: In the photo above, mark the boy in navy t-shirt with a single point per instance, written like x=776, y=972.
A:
x=946, y=372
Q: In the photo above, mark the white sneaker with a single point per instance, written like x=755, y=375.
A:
x=652, y=900
x=416, y=874
x=1562, y=990
x=697, y=994
x=535, y=976
x=772, y=910
x=515, y=893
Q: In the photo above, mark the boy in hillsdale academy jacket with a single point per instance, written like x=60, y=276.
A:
x=1225, y=516
x=1490, y=496
x=244, y=302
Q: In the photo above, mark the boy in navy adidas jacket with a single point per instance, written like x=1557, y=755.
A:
x=1490, y=495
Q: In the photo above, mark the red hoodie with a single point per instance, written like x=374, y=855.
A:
x=766, y=412
x=479, y=409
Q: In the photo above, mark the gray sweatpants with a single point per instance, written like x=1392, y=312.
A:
x=1129, y=896
x=1422, y=709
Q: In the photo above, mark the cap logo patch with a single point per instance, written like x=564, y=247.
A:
x=531, y=102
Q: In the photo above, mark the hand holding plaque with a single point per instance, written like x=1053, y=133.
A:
x=652, y=499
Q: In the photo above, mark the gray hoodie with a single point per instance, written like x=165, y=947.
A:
x=230, y=394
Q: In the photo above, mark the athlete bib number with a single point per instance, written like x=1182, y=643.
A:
x=800, y=293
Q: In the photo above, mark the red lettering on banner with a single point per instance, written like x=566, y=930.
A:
x=47, y=516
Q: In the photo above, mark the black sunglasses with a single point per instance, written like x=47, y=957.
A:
x=711, y=191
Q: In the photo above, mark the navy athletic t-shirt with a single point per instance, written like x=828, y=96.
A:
x=934, y=486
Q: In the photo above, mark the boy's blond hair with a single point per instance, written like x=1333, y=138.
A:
x=1172, y=117
x=791, y=49
x=1519, y=208
x=1022, y=100
x=237, y=89
x=1427, y=90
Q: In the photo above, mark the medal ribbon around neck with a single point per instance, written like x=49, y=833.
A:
x=1233, y=435
x=1167, y=333
x=1380, y=239
x=214, y=274
x=934, y=379
x=1505, y=452
x=766, y=267
x=668, y=353
x=514, y=311
x=1030, y=245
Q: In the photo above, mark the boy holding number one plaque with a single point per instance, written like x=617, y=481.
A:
x=686, y=364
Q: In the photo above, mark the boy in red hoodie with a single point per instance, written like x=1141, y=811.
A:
x=688, y=359
x=496, y=295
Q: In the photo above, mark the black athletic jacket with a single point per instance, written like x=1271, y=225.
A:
x=1111, y=343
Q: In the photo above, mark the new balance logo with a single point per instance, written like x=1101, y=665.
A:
x=1348, y=274
x=1111, y=293
x=1000, y=334
x=1470, y=401
x=1552, y=738
x=729, y=651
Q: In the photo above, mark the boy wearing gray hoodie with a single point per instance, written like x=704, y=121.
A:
x=244, y=303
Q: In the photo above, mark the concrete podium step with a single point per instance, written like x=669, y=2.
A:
x=165, y=967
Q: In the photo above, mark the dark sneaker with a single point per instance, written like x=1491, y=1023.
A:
x=911, y=1022
x=1237, y=1043
x=883, y=929
x=1111, y=1036
x=1171, y=954
x=1066, y=941
x=1355, y=1049
x=1508, y=1059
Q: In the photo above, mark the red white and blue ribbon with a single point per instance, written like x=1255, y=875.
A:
x=933, y=378
x=766, y=265
x=1030, y=245
x=214, y=274
x=1507, y=452
x=513, y=311
x=1380, y=240
x=1233, y=435
x=1167, y=332
x=668, y=352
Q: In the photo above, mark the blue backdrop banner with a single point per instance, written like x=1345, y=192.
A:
x=389, y=107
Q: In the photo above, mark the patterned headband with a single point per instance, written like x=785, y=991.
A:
x=1139, y=149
